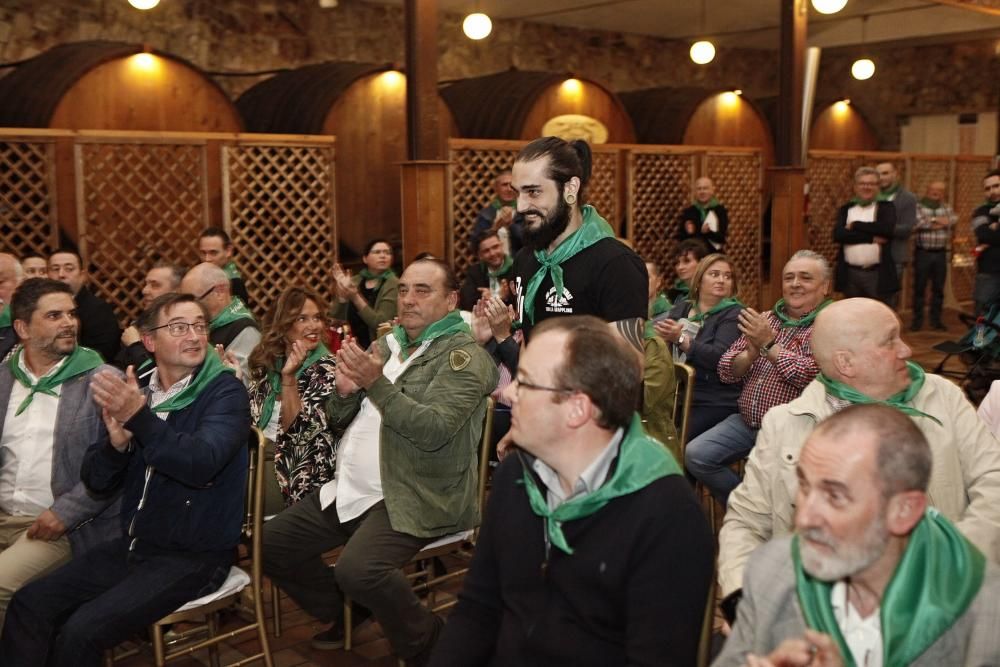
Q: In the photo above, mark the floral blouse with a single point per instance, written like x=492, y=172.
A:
x=305, y=454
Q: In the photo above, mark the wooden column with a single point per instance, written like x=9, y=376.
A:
x=787, y=177
x=424, y=178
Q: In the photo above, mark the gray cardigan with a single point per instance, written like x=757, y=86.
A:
x=89, y=521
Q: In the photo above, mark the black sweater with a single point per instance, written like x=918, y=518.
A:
x=989, y=259
x=633, y=592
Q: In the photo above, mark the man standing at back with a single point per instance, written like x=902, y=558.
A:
x=99, y=328
x=986, y=227
x=706, y=218
x=215, y=247
x=905, y=203
x=10, y=277
x=571, y=264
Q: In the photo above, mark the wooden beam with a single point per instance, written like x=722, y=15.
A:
x=422, y=118
x=791, y=72
x=991, y=7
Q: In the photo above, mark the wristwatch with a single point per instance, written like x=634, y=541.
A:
x=765, y=348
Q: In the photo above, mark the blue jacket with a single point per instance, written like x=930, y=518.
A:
x=196, y=463
x=717, y=333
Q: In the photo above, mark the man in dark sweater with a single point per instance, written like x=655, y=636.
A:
x=99, y=328
x=986, y=226
x=706, y=218
x=490, y=275
x=593, y=550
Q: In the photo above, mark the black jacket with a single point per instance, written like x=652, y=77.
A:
x=477, y=276
x=99, y=328
x=883, y=226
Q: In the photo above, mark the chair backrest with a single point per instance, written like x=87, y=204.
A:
x=253, y=518
x=684, y=383
x=484, y=457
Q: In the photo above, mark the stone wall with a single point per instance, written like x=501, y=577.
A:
x=256, y=35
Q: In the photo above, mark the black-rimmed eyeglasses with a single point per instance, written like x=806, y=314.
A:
x=518, y=383
x=178, y=329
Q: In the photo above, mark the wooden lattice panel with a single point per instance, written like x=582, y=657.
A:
x=925, y=170
x=27, y=197
x=604, y=185
x=137, y=202
x=279, y=210
x=831, y=184
x=659, y=190
x=737, y=179
x=966, y=195
x=474, y=166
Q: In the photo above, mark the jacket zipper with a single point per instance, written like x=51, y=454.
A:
x=142, y=502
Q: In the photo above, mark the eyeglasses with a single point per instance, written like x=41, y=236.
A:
x=178, y=329
x=207, y=292
x=518, y=383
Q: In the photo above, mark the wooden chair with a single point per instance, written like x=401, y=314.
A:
x=206, y=609
x=684, y=382
x=456, y=543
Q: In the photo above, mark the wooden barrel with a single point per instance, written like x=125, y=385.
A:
x=364, y=106
x=527, y=105
x=113, y=86
x=841, y=126
x=698, y=117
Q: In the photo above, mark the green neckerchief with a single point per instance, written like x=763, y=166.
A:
x=884, y=195
x=642, y=460
x=211, y=369
x=898, y=401
x=935, y=581
x=931, y=204
x=659, y=305
x=5, y=318
x=447, y=325
x=144, y=365
x=728, y=302
x=232, y=271
x=804, y=321
x=498, y=204
x=80, y=361
x=504, y=268
x=381, y=277
x=858, y=201
x=593, y=229
x=682, y=288
x=236, y=310
x=274, y=380
x=703, y=209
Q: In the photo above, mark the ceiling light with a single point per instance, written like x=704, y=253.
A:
x=828, y=6
x=702, y=52
x=863, y=68
x=477, y=26
x=143, y=4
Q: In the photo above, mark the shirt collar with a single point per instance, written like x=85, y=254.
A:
x=591, y=479
x=31, y=376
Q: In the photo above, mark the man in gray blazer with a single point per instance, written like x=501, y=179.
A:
x=873, y=572
x=47, y=422
x=906, y=216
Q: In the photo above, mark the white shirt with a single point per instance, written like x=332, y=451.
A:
x=158, y=395
x=862, y=254
x=26, y=448
x=713, y=224
x=863, y=635
x=989, y=409
x=357, y=482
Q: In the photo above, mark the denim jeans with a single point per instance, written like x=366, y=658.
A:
x=708, y=456
x=100, y=599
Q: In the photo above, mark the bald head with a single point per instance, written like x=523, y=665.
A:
x=10, y=276
x=704, y=190
x=202, y=278
x=845, y=325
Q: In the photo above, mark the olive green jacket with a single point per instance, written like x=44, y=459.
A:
x=383, y=310
x=432, y=423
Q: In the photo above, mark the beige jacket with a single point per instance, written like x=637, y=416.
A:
x=965, y=479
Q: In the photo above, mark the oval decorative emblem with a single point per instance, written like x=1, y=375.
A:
x=572, y=126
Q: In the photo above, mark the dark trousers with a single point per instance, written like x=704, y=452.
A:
x=368, y=569
x=100, y=599
x=864, y=282
x=929, y=265
x=987, y=291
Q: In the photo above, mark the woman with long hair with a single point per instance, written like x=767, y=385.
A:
x=291, y=377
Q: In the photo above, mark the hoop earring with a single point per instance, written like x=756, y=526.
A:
x=570, y=198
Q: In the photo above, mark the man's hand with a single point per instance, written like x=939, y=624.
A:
x=480, y=325
x=118, y=435
x=505, y=446
x=342, y=284
x=360, y=367
x=500, y=316
x=814, y=650
x=229, y=360
x=505, y=216
x=47, y=527
x=121, y=398
x=130, y=335
x=755, y=327
x=706, y=228
x=689, y=227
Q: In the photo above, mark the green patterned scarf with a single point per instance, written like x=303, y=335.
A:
x=232, y=271
x=447, y=325
x=659, y=305
x=899, y=401
x=728, y=302
x=804, y=321
x=641, y=461
x=885, y=195
x=504, y=268
x=80, y=361
x=936, y=580
x=236, y=310
x=211, y=369
x=682, y=288
x=274, y=381
x=498, y=204
x=931, y=204
x=381, y=277
x=594, y=229
x=703, y=209
x=858, y=201
x=5, y=317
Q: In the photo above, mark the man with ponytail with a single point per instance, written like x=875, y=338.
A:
x=571, y=263
x=863, y=360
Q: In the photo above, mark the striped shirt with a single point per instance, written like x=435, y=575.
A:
x=933, y=239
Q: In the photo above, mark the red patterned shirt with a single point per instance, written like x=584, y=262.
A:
x=769, y=383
